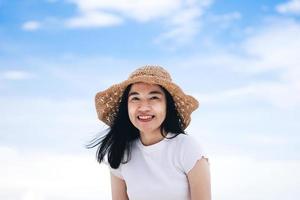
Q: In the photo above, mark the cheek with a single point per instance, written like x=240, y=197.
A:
x=161, y=109
x=131, y=111
x=164, y=111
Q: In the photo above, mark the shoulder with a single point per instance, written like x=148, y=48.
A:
x=187, y=144
x=185, y=140
x=189, y=149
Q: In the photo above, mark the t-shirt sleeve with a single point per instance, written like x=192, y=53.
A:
x=117, y=172
x=191, y=152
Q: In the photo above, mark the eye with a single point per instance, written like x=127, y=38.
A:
x=154, y=97
x=134, y=99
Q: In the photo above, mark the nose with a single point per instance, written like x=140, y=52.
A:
x=144, y=106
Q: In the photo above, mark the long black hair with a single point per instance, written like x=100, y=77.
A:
x=117, y=142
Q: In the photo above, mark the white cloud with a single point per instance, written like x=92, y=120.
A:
x=16, y=75
x=226, y=95
x=223, y=21
x=290, y=7
x=31, y=25
x=75, y=119
x=273, y=48
x=280, y=95
x=135, y=9
x=38, y=124
x=237, y=178
x=93, y=19
x=42, y=175
x=39, y=176
x=180, y=18
x=227, y=17
x=183, y=27
x=276, y=140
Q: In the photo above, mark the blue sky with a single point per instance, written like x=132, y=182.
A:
x=238, y=58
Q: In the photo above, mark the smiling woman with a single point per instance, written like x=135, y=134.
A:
x=148, y=153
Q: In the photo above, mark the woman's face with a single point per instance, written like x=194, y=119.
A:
x=147, y=107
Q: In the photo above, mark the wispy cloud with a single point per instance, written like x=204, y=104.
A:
x=227, y=17
x=280, y=95
x=70, y=118
x=183, y=25
x=271, y=49
x=232, y=177
x=31, y=25
x=39, y=176
x=224, y=21
x=138, y=10
x=290, y=7
x=181, y=19
x=16, y=75
x=182, y=28
x=93, y=19
x=278, y=140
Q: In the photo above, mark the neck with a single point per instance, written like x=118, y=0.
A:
x=151, y=138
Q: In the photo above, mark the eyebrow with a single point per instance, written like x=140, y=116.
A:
x=152, y=92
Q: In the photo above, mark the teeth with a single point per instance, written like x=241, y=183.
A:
x=145, y=117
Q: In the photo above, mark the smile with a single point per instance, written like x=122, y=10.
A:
x=145, y=117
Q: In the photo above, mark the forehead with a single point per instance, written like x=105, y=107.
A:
x=145, y=88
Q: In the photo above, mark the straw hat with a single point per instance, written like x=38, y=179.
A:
x=107, y=101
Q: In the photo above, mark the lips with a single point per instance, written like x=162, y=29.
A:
x=145, y=118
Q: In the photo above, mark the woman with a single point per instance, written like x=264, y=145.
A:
x=148, y=153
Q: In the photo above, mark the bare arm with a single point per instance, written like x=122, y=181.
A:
x=118, y=188
x=199, y=180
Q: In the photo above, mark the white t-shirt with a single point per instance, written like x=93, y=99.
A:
x=159, y=171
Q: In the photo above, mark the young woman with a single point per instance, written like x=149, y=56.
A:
x=148, y=153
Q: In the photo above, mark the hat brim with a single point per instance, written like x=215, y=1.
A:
x=107, y=101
